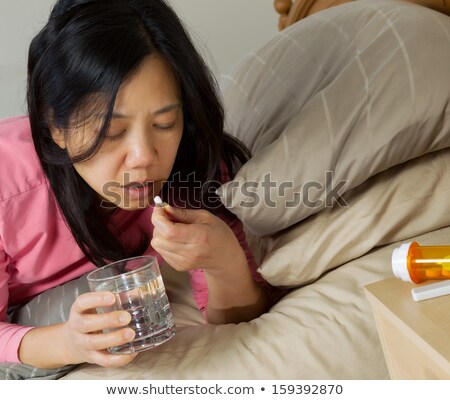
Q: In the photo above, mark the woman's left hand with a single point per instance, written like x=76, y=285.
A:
x=195, y=239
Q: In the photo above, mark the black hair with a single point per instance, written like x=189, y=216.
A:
x=76, y=65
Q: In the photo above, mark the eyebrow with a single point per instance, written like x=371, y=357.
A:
x=163, y=110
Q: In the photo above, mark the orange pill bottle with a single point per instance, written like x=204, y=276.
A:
x=414, y=263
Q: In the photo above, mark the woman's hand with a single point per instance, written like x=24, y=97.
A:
x=195, y=239
x=80, y=339
x=84, y=339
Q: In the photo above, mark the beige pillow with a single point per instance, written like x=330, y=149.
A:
x=333, y=100
x=405, y=201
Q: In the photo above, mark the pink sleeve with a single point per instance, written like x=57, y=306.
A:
x=10, y=335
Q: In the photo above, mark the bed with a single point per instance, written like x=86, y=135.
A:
x=348, y=112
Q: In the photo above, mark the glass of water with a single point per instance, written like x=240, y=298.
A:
x=139, y=289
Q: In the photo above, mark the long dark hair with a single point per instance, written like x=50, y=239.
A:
x=76, y=65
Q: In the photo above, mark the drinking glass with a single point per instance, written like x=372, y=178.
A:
x=139, y=289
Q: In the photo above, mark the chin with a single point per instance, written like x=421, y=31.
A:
x=135, y=205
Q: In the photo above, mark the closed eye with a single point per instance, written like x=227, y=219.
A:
x=165, y=127
x=116, y=137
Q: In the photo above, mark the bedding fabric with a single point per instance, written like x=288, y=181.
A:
x=320, y=331
x=403, y=201
x=352, y=90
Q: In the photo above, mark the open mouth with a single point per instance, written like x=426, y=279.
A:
x=138, y=185
x=139, y=190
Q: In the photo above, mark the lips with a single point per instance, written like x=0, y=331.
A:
x=138, y=184
x=138, y=191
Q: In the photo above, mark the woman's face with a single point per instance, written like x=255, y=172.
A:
x=138, y=154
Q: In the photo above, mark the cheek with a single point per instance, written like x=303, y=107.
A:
x=169, y=153
x=97, y=175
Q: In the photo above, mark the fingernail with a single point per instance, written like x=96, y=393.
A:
x=125, y=318
x=159, y=203
x=129, y=334
x=109, y=297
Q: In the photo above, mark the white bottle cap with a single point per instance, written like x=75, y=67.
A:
x=400, y=262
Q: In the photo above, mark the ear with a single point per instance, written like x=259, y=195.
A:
x=58, y=137
x=56, y=133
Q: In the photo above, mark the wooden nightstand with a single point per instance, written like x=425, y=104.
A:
x=415, y=336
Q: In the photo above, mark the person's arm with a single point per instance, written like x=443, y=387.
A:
x=234, y=297
x=196, y=239
x=252, y=289
x=79, y=339
x=43, y=347
x=75, y=341
x=10, y=335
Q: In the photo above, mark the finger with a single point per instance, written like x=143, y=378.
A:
x=109, y=360
x=98, y=322
x=160, y=243
x=92, y=300
x=178, y=231
x=101, y=341
x=158, y=211
x=186, y=215
x=179, y=262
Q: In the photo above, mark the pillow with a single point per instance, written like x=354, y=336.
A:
x=50, y=307
x=407, y=200
x=331, y=101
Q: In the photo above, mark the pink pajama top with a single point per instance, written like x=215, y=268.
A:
x=37, y=249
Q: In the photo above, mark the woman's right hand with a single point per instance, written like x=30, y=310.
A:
x=84, y=340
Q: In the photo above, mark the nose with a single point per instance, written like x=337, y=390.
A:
x=141, y=150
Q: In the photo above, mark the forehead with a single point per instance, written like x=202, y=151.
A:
x=151, y=91
x=152, y=86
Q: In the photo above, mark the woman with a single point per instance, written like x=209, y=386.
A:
x=121, y=109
